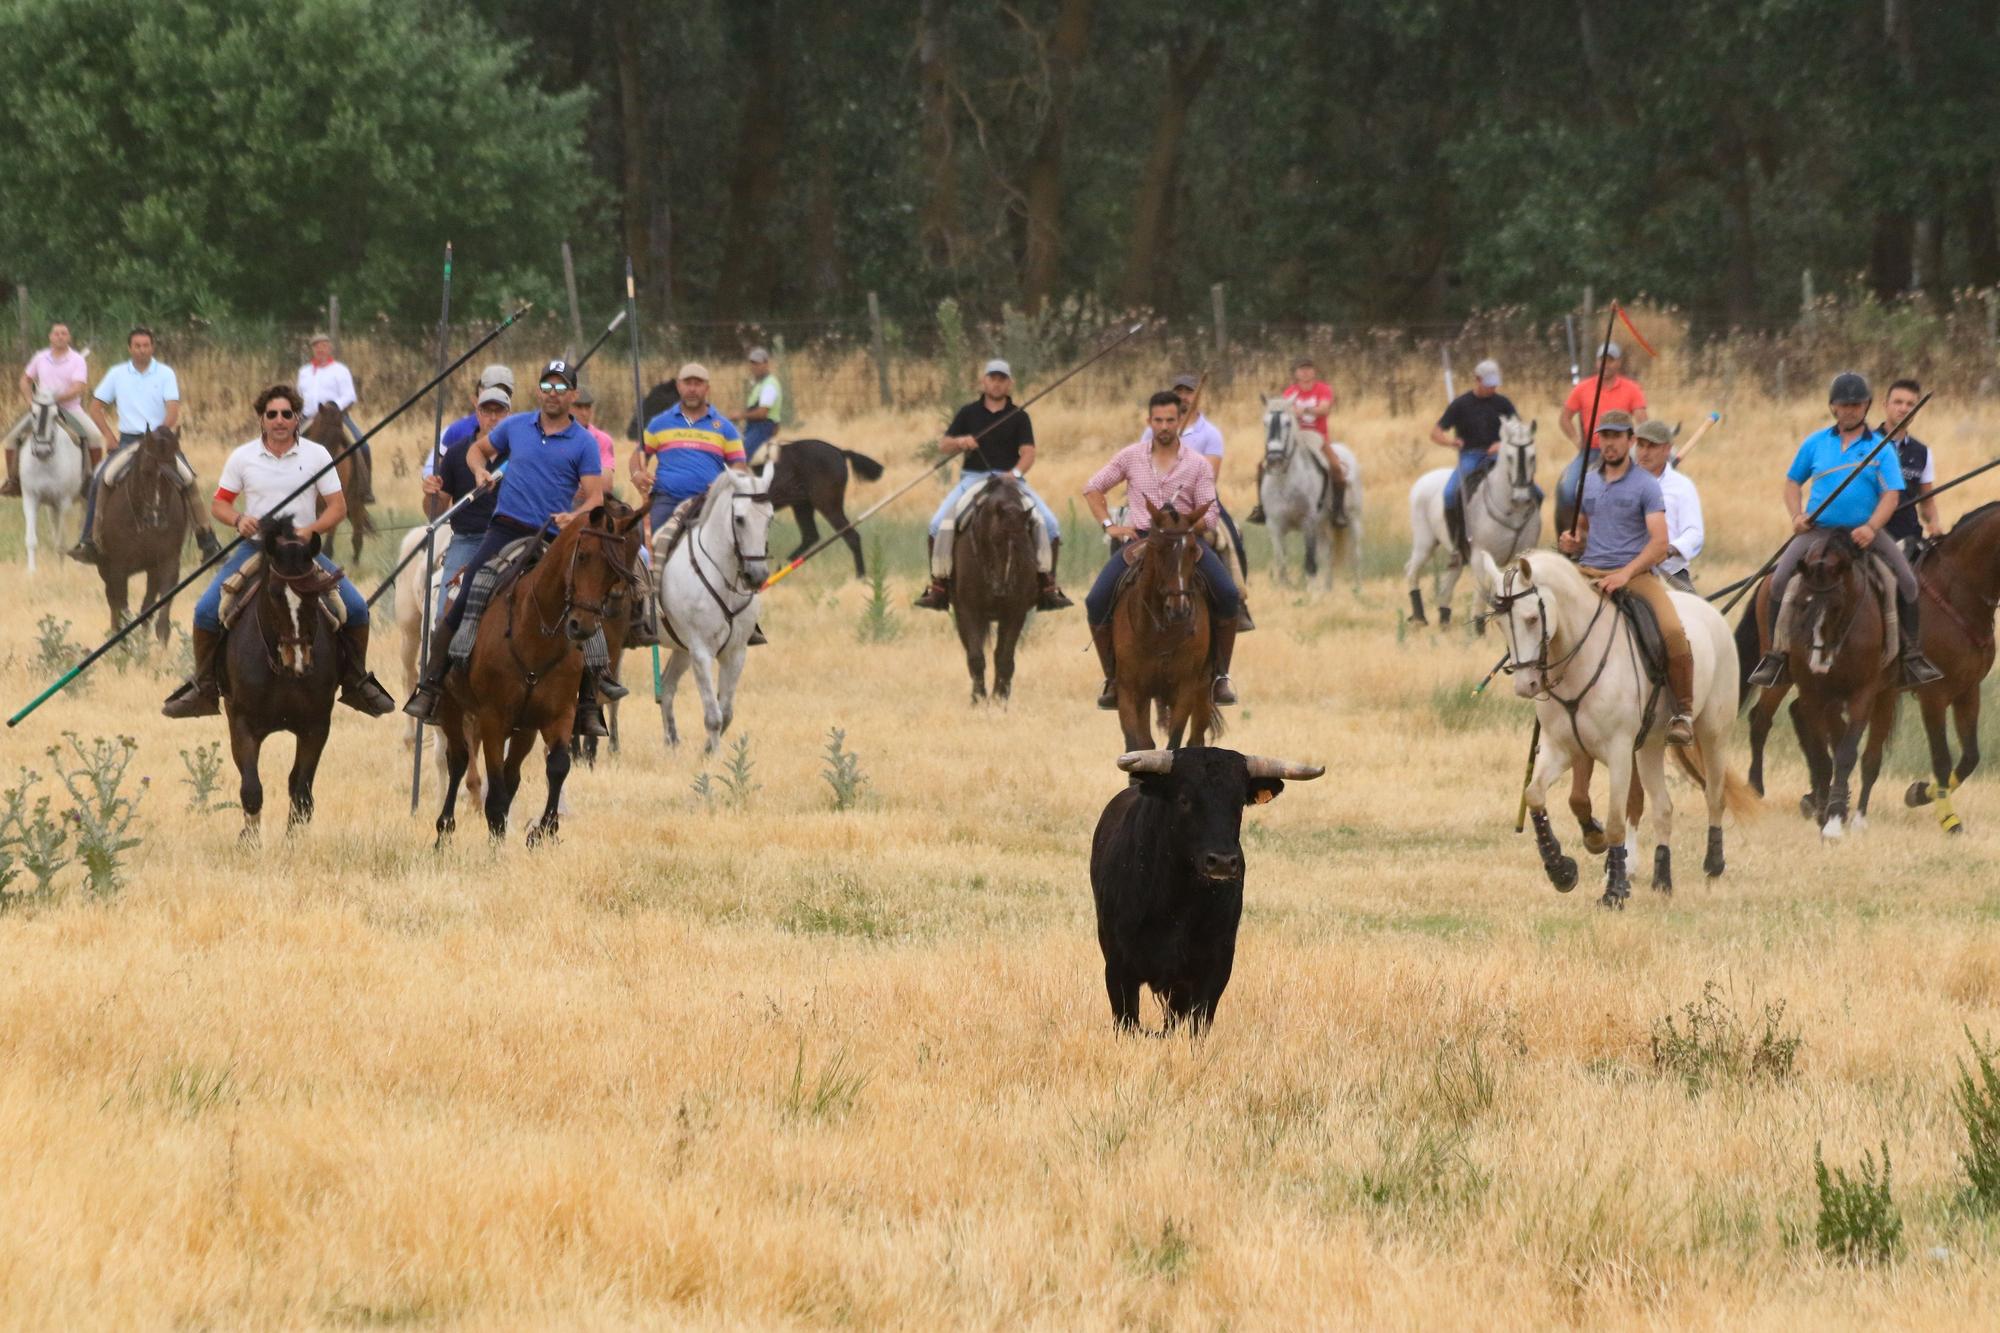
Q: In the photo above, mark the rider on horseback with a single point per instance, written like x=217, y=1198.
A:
x=61, y=370
x=994, y=436
x=1623, y=535
x=323, y=379
x=552, y=462
x=146, y=394
x=1471, y=425
x=1863, y=508
x=261, y=474
x=691, y=444
x=1311, y=398
x=1160, y=471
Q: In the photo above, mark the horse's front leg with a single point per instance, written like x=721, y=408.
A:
x=729, y=670
x=305, y=764
x=802, y=514
x=1133, y=706
x=972, y=637
x=1007, y=635
x=670, y=679
x=30, y=508
x=1579, y=805
x=503, y=774
x=244, y=747
x=1274, y=524
x=159, y=579
x=1809, y=728
x=1618, y=767
x=1850, y=721
x=556, y=768
x=1881, y=722
x=1550, y=762
x=702, y=664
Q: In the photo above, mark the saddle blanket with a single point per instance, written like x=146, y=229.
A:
x=1885, y=596
x=120, y=463
x=515, y=559
x=239, y=590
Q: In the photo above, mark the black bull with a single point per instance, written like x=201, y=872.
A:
x=1166, y=869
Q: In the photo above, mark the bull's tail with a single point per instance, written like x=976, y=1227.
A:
x=1738, y=796
x=1749, y=647
x=864, y=467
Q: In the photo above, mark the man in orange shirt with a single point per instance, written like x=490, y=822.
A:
x=1313, y=399
x=1621, y=394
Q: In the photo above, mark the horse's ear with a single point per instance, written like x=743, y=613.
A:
x=1532, y=423
x=1153, y=513
x=1195, y=517
x=597, y=516
x=314, y=546
x=1482, y=564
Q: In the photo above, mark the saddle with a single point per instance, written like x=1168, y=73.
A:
x=1645, y=625
x=1884, y=582
x=493, y=579
x=1469, y=487
x=242, y=588
x=120, y=463
x=689, y=512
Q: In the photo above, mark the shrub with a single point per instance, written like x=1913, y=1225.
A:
x=737, y=784
x=878, y=621
x=100, y=812
x=1858, y=1220
x=204, y=779
x=1978, y=1102
x=1710, y=1044
x=843, y=771
x=31, y=839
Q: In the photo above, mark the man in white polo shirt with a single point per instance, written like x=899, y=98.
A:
x=145, y=394
x=1653, y=447
x=322, y=379
x=262, y=474
x=62, y=371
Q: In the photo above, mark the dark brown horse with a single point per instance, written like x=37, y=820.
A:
x=1160, y=629
x=326, y=428
x=1960, y=578
x=142, y=524
x=619, y=613
x=996, y=582
x=1836, y=660
x=527, y=667
x=281, y=668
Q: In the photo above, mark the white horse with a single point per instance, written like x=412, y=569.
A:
x=1503, y=520
x=707, y=593
x=51, y=470
x=1572, y=653
x=1297, y=497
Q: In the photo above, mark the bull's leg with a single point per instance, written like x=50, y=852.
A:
x=244, y=747
x=1006, y=636
x=556, y=769
x=1761, y=714
x=1550, y=762
x=670, y=679
x=1122, y=985
x=305, y=764
x=1881, y=722
x=502, y=773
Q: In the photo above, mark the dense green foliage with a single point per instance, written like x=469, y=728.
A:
x=1400, y=162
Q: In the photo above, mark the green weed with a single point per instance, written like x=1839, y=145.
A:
x=1858, y=1220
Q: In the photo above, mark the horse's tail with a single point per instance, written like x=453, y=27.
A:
x=1749, y=647
x=1738, y=796
x=864, y=467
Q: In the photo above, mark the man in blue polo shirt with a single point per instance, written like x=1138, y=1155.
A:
x=1824, y=461
x=553, y=472
x=146, y=394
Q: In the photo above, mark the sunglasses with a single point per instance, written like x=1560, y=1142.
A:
x=556, y=386
x=279, y=414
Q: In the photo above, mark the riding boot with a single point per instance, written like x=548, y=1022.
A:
x=937, y=597
x=13, y=486
x=423, y=702
x=85, y=552
x=1337, y=504
x=1680, y=686
x=1243, y=624
x=1050, y=597
x=201, y=696
x=1103, y=639
x=1454, y=522
x=1770, y=671
x=610, y=686
x=757, y=639
x=1256, y=514
x=1917, y=669
x=1223, y=646
x=589, y=717
x=359, y=689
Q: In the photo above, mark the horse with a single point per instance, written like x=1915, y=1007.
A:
x=619, y=615
x=527, y=667
x=1840, y=658
x=996, y=583
x=1161, y=637
x=1578, y=658
x=707, y=591
x=1960, y=577
x=412, y=609
x=1502, y=528
x=142, y=526
x=281, y=668
x=811, y=476
x=326, y=428
x=1297, y=495
x=52, y=470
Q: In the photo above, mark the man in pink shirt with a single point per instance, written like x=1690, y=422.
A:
x=585, y=411
x=1621, y=394
x=62, y=370
x=1159, y=470
x=1313, y=399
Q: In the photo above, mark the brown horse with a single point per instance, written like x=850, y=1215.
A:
x=281, y=669
x=619, y=613
x=1836, y=660
x=527, y=667
x=143, y=526
x=326, y=428
x=996, y=582
x=1160, y=630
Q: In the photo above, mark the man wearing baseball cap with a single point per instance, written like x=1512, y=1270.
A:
x=764, y=411
x=994, y=436
x=453, y=481
x=1621, y=394
x=1653, y=446
x=1622, y=535
x=1824, y=460
x=1471, y=425
x=689, y=445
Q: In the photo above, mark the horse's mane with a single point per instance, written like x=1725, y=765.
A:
x=1553, y=570
x=276, y=527
x=1972, y=516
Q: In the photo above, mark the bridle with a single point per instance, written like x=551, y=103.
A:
x=611, y=541
x=1520, y=477
x=1167, y=547
x=1822, y=587
x=1503, y=604
x=42, y=442
x=1004, y=499
x=150, y=475
x=298, y=632
x=740, y=584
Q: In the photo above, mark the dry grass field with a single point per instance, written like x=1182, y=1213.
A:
x=765, y=1063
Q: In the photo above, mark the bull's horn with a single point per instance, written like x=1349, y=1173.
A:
x=1147, y=761
x=1261, y=767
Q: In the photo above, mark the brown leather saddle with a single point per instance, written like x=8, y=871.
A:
x=241, y=590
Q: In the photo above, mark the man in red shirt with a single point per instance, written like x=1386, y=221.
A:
x=1313, y=399
x=1621, y=394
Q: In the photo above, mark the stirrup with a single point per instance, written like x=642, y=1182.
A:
x=1222, y=692
x=609, y=686
x=423, y=704
x=1053, y=598
x=1919, y=671
x=191, y=700
x=590, y=721
x=1769, y=672
x=205, y=542
x=757, y=638
x=1680, y=730
x=1256, y=514
x=366, y=695
x=11, y=487
x=937, y=597
x=85, y=552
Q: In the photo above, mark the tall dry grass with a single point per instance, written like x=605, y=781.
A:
x=786, y=1066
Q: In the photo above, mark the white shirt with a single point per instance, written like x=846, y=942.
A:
x=330, y=383
x=263, y=478
x=1684, y=530
x=1199, y=435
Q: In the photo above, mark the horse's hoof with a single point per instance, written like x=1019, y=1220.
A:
x=1712, y=865
x=1593, y=838
x=1953, y=825
x=1859, y=823
x=1614, y=899
x=1562, y=873
x=1663, y=870
x=1832, y=830
x=1919, y=794
x=1808, y=810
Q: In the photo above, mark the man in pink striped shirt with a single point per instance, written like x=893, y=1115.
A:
x=1160, y=471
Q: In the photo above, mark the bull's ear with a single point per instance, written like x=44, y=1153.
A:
x=1262, y=791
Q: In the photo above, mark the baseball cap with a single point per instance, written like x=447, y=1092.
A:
x=998, y=367
x=1612, y=350
x=497, y=374
x=759, y=354
x=585, y=398
x=1615, y=422
x=1657, y=432
x=562, y=368
x=1488, y=372
x=1187, y=382
x=693, y=370
x=494, y=393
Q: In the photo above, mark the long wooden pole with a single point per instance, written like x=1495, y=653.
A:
x=638, y=404
x=430, y=537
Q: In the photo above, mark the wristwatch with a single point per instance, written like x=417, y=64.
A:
x=1016, y=473
x=1105, y=524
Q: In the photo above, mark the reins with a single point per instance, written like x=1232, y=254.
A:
x=1505, y=603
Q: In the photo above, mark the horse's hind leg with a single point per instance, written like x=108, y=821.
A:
x=802, y=514
x=305, y=763
x=1579, y=805
x=1881, y=724
x=836, y=514
x=244, y=747
x=1761, y=713
x=670, y=679
x=1652, y=776
x=556, y=768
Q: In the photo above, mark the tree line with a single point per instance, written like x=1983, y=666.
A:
x=1402, y=162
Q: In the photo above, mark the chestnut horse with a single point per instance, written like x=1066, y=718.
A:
x=996, y=583
x=326, y=428
x=527, y=668
x=142, y=524
x=1161, y=638
x=1960, y=579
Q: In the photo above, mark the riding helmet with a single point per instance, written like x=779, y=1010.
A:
x=1849, y=387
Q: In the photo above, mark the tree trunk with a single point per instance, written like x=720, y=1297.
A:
x=937, y=224
x=1150, y=227
x=635, y=148
x=1739, y=199
x=1042, y=184
x=1893, y=251
x=747, y=284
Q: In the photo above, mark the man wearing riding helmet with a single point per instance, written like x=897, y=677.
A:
x=1823, y=462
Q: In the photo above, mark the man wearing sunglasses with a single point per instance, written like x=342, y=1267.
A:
x=553, y=474
x=261, y=474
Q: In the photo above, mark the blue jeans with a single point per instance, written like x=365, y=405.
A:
x=1468, y=462
x=1223, y=598
x=456, y=555
x=208, y=609
x=755, y=435
x=971, y=479
x=1569, y=486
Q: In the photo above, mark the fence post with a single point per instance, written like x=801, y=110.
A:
x=1221, y=334
x=575, y=316
x=333, y=320
x=1807, y=315
x=880, y=346
x=784, y=381
x=1589, y=309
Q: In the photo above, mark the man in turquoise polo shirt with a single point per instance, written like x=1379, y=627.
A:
x=145, y=393
x=1824, y=461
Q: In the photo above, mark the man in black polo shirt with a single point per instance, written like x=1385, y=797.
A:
x=1470, y=425
x=1908, y=527
x=994, y=437
x=453, y=481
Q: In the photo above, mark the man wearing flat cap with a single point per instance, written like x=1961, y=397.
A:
x=764, y=409
x=323, y=379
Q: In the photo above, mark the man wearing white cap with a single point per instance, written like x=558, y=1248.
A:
x=995, y=436
x=1621, y=394
x=1471, y=425
x=322, y=379
x=764, y=411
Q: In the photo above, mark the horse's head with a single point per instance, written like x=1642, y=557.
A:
x=595, y=565
x=742, y=500
x=1832, y=596
x=325, y=426
x=1531, y=614
x=1517, y=458
x=289, y=609
x=42, y=431
x=1281, y=425
x=287, y=554
x=1173, y=549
